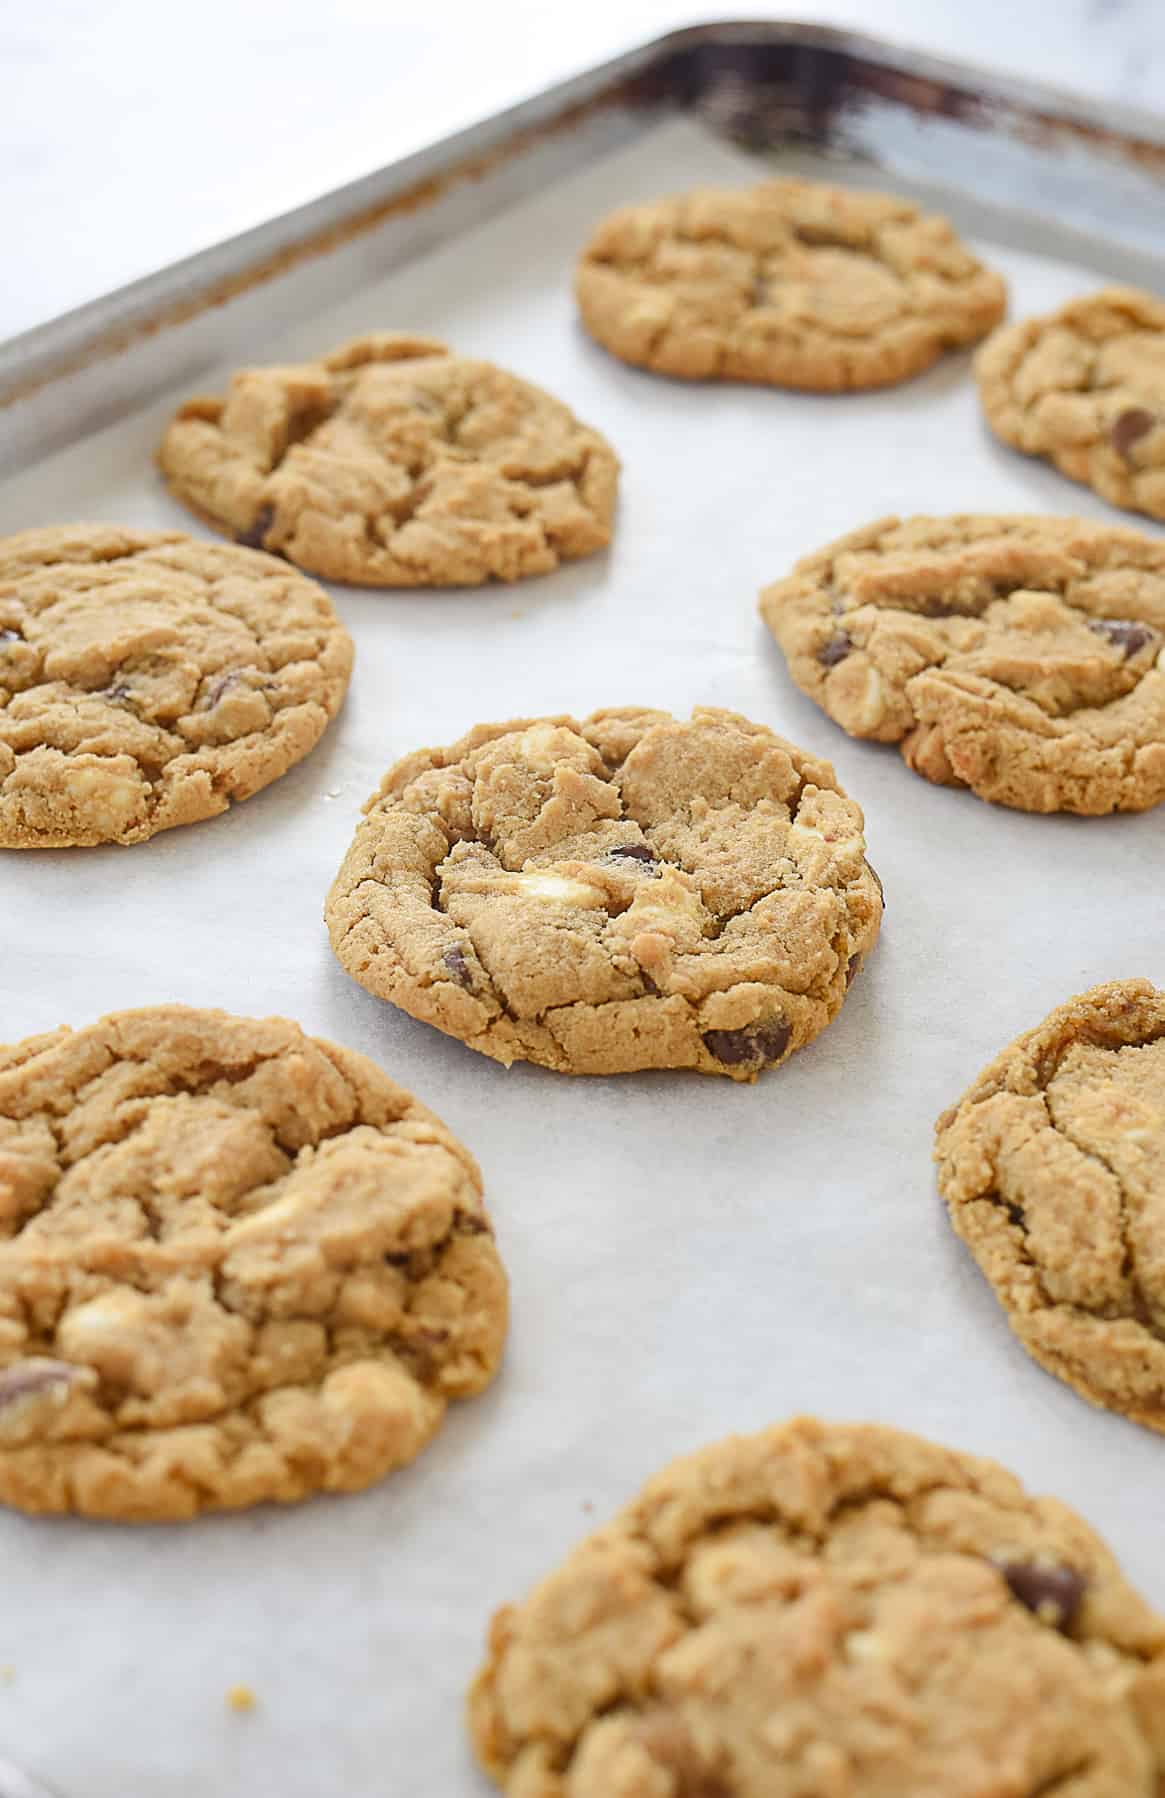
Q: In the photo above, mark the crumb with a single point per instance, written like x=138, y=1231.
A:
x=241, y=1698
x=8, y=1673
x=588, y=1506
x=517, y=614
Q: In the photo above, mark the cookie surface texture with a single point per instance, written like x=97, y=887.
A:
x=147, y=680
x=791, y=282
x=1085, y=388
x=392, y=463
x=1052, y=1166
x=1023, y=657
x=821, y=1610
x=238, y=1264
x=632, y=891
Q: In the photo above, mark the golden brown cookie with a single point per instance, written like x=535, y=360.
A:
x=632, y=891
x=790, y=282
x=393, y=463
x=1021, y=657
x=147, y=680
x=828, y=1611
x=1053, y=1169
x=237, y=1263
x=1085, y=387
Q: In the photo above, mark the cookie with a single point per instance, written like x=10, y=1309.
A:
x=147, y=680
x=789, y=282
x=1020, y=657
x=1085, y=387
x=393, y=463
x=828, y=1611
x=633, y=891
x=1052, y=1166
x=238, y=1263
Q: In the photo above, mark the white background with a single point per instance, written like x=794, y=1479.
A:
x=133, y=132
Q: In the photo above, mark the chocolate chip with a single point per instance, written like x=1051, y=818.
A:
x=836, y=650
x=761, y=1044
x=633, y=852
x=1052, y=1594
x=457, y=965
x=217, y=688
x=7, y=636
x=1015, y=1214
x=852, y=968
x=1123, y=633
x=1128, y=427
x=252, y=537
x=30, y=1378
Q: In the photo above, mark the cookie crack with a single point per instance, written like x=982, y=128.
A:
x=1142, y=1312
x=1015, y=1216
x=1056, y=1782
x=1049, y=1063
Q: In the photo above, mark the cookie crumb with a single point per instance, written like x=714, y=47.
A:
x=241, y=1698
x=7, y=1673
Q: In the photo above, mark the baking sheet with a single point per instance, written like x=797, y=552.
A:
x=688, y=1256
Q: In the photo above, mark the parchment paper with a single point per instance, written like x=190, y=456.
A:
x=688, y=1257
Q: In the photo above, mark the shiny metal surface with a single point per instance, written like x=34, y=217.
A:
x=1045, y=156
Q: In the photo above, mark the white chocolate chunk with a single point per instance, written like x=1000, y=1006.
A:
x=112, y=799
x=559, y=887
x=89, y=1324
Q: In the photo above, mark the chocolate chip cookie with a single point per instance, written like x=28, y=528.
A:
x=791, y=283
x=391, y=462
x=147, y=680
x=1021, y=657
x=237, y=1263
x=1053, y=1169
x=1085, y=387
x=632, y=891
x=828, y=1611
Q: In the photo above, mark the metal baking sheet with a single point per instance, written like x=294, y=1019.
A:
x=688, y=1257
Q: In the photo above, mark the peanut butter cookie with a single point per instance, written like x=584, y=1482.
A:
x=632, y=891
x=236, y=1263
x=1053, y=1169
x=147, y=680
x=392, y=463
x=1085, y=387
x=1021, y=657
x=828, y=1611
x=791, y=283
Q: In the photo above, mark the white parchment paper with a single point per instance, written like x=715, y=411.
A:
x=688, y=1257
